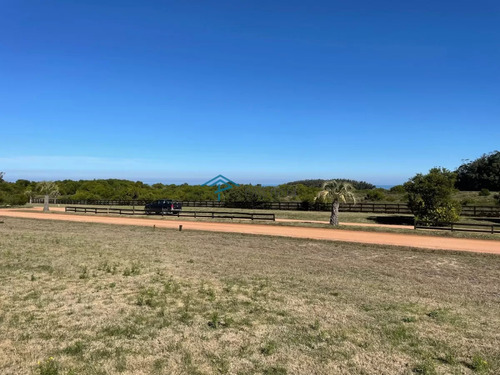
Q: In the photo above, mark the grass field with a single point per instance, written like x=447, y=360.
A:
x=96, y=299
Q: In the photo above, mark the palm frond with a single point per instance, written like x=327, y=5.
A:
x=337, y=191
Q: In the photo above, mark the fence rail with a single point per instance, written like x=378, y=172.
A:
x=460, y=227
x=387, y=208
x=195, y=214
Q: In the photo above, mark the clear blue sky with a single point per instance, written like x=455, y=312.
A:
x=260, y=91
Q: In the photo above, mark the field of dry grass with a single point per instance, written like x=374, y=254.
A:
x=100, y=299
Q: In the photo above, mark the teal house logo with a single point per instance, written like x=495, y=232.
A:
x=222, y=183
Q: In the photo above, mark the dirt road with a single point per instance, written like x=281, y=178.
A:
x=418, y=241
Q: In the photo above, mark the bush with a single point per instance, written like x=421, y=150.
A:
x=247, y=194
x=13, y=199
x=375, y=195
x=446, y=213
x=17, y=200
x=484, y=193
x=398, y=189
x=430, y=196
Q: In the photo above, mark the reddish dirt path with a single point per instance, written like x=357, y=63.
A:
x=61, y=209
x=394, y=239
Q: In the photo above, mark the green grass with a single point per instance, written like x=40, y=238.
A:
x=164, y=301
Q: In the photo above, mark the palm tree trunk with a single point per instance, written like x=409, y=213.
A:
x=46, y=203
x=334, y=218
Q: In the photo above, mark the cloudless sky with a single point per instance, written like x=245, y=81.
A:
x=260, y=91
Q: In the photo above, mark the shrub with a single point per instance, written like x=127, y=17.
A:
x=398, y=189
x=430, y=196
x=16, y=199
x=484, y=193
x=375, y=195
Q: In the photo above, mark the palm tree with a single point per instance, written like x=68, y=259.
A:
x=48, y=189
x=337, y=192
x=30, y=194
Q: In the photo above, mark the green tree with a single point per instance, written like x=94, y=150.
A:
x=398, y=189
x=30, y=194
x=247, y=195
x=375, y=195
x=430, y=196
x=336, y=192
x=318, y=183
x=482, y=173
x=1, y=176
x=48, y=189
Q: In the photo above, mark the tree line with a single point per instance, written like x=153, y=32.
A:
x=480, y=174
x=21, y=191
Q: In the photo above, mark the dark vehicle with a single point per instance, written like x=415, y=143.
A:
x=163, y=207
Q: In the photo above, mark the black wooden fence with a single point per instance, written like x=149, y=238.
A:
x=195, y=214
x=386, y=208
x=459, y=227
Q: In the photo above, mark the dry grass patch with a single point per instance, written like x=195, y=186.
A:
x=103, y=299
